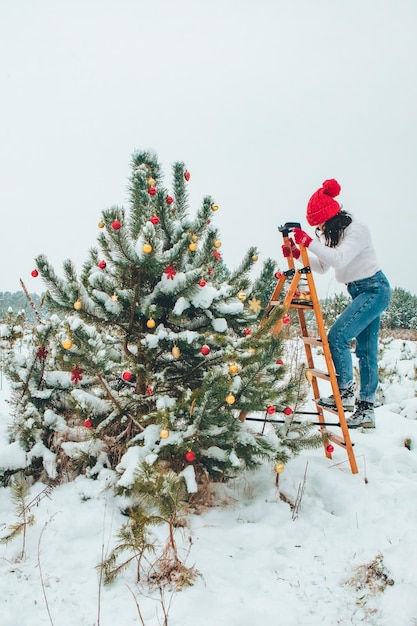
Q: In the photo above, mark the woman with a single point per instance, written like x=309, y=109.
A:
x=346, y=246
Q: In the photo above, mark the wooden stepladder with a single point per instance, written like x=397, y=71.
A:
x=302, y=295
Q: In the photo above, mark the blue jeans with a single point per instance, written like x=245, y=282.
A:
x=360, y=320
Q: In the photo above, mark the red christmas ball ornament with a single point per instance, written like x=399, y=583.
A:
x=116, y=225
x=288, y=410
x=102, y=265
x=88, y=423
x=190, y=456
x=205, y=350
x=169, y=199
x=127, y=375
x=202, y=282
x=187, y=175
x=152, y=191
x=286, y=319
x=247, y=332
x=279, y=362
x=330, y=448
x=154, y=219
x=278, y=275
x=270, y=410
x=35, y=273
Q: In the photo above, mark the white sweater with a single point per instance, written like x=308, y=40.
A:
x=353, y=258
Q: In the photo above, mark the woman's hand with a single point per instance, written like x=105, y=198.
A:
x=302, y=238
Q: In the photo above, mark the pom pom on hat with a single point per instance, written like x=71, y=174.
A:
x=321, y=206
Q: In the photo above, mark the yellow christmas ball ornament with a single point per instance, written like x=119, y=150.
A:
x=255, y=258
x=214, y=207
x=151, y=323
x=217, y=243
x=101, y=224
x=147, y=248
x=176, y=352
x=233, y=368
x=67, y=344
x=279, y=467
x=78, y=305
x=164, y=434
x=192, y=247
x=241, y=295
x=230, y=399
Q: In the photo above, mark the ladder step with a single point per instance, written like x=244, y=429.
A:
x=337, y=439
x=318, y=373
x=295, y=304
x=312, y=341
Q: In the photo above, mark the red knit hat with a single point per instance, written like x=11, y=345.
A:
x=321, y=206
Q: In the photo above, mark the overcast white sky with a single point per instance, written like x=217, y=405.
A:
x=263, y=100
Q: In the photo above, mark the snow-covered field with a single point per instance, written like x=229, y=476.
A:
x=349, y=556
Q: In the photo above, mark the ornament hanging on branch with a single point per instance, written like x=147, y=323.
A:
x=151, y=323
x=214, y=207
x=42, y=353
x=164, y=434
x=67, y=344
x=116, y=225
x=76, y=374
x=88, y=423
x=127, y=376
x=101, y=224
x=147, y=248
x=152, y=191
x=205, y=350
x=176, y=352
x=170, y=272
x=154, y=220
x=102, y=265
x=78, y=305
x=216, y=255
x=35, y=273
x=169, y=199
x=187, y=175
x=190, y=456
x=202, y=282
x=255, y=305
x=230, y=399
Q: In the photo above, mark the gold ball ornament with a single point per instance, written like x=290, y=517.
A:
x=279, y=467
x=147, y=248
x=151, y=323
x=241, y=295
x=230, y=399
x=192, y=247
x=214, y=207
x=194, y=238
x=67, y=344
x=255, y=258
x=78, y=305
x=176, y=352
x=217, y=243
x=309, y=375
x=164, y=434
x=233, y=368
x=101, y=224
x=151, y=181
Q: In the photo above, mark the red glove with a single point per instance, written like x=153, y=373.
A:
x=292, y=248
x=302, y=238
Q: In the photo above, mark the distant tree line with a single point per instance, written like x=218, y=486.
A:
x=18, y=303
x=401, y=312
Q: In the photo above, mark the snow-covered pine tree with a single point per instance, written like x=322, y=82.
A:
x=156, y=349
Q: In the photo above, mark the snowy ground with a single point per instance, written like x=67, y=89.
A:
x=259, y=564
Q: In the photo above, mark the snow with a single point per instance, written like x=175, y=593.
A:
x=261, y=561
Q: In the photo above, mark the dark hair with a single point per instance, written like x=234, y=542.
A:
x=333, y=229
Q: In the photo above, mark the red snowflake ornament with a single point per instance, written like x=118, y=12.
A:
x=76, y=374
x=216, y=254
x=42, y=353
x=170, y=272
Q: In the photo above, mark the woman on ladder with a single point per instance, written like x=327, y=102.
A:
x=346, y=246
